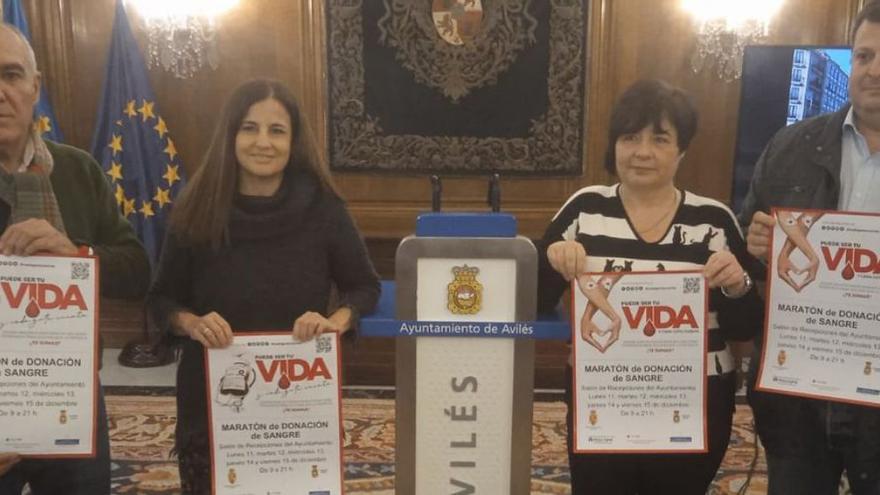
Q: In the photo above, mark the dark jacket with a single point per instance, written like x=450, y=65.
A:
x=800, y=168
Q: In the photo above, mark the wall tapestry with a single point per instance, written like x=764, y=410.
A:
x=457, y=86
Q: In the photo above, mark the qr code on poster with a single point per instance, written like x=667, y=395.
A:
x=323, y=345
x=80, y=270
x=691, y=285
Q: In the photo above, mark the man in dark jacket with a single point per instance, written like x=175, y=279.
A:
x=829, y=162
x=54, y=200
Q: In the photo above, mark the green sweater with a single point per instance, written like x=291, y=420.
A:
x=92, y=218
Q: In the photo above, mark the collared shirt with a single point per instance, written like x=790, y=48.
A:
x=29, y=151
x=859, y=171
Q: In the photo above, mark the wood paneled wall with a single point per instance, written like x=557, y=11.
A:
x=628, y=39
x=284, y=39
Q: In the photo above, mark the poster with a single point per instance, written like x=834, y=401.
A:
x=48, y=349
x=639, y=341
x=274, y=411
x=822, y=335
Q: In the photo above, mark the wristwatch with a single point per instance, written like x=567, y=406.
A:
x=747, y=286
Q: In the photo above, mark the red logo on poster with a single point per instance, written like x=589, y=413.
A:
x=659, y=318
x=42, y=296
x=292, y=370
x=855, y=260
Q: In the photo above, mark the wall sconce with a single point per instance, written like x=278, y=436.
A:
x=724, y=28
x=181, y=34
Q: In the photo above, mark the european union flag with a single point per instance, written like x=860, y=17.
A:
x=44, y=118
x=132, y=142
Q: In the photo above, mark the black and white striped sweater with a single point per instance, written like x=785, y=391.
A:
x=595, y=217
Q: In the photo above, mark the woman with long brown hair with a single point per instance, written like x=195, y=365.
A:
x=256, y=242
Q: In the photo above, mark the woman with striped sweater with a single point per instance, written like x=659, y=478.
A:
x=646, y=223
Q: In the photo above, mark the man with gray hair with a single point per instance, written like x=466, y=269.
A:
x=55, y=200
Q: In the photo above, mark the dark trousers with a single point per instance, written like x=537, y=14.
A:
x=818, y=471
x=657, y=474
x=194, y=466
x=66, y=476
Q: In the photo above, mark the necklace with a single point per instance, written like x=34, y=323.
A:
x=667, y=211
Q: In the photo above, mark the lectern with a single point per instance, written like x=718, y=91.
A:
x=465, y=305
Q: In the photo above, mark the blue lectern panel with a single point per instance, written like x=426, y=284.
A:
x=466, y=225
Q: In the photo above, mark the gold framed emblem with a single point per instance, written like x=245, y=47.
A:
x=593, y=417
x=465, y=292
x=457, y=21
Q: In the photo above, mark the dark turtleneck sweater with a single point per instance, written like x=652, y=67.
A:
x=279, y=258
